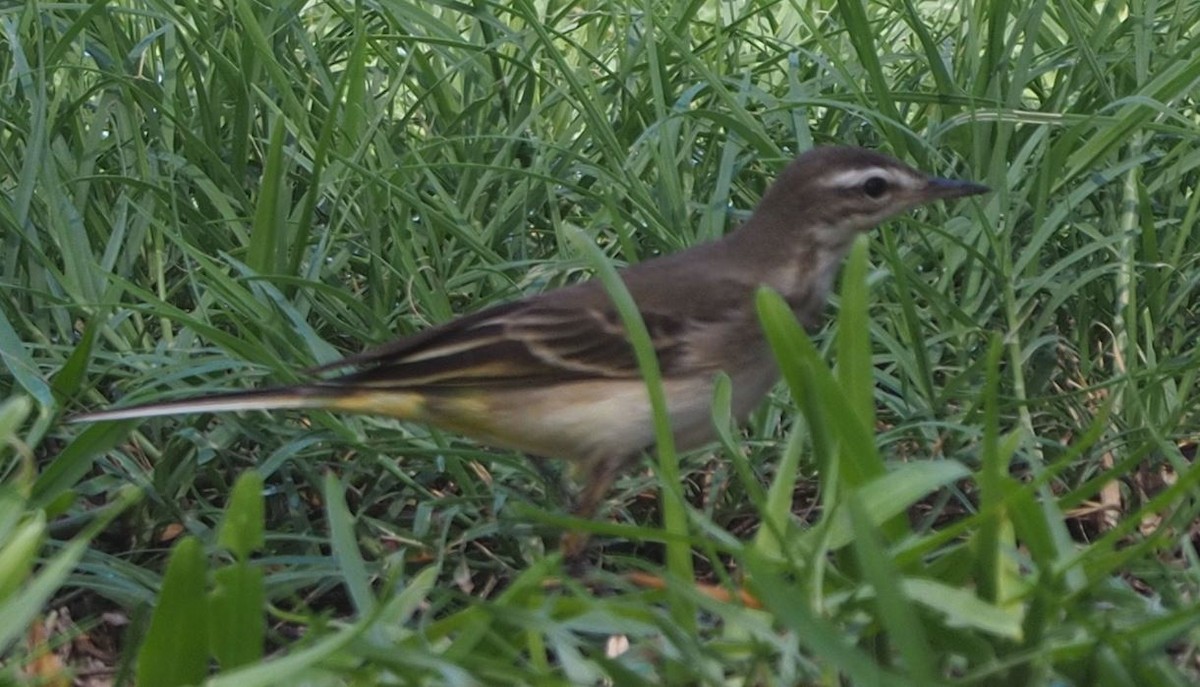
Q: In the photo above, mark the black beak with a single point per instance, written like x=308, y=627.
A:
x=950, y=188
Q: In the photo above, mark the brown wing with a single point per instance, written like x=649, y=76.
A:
x=534, y=340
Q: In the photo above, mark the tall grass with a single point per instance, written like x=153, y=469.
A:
x=995, y=486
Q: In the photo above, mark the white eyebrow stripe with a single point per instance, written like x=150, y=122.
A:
x=854, y=177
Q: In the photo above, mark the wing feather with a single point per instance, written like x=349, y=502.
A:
x=536, y=340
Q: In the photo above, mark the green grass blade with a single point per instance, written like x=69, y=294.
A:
x=175, y=650
x=679, y=555
x=345, y=547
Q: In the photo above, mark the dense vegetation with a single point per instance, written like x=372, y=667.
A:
x=995, y=485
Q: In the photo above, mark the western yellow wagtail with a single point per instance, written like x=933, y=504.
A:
x=553, y=375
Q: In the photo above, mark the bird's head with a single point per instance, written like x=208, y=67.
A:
x=840, y=192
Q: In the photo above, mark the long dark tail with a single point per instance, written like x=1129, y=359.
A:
x=299, y=396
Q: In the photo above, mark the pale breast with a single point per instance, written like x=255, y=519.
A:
x=580, y=421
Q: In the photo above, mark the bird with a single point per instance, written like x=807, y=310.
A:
x=553, y=375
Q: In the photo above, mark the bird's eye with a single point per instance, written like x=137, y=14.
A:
x=875, y=187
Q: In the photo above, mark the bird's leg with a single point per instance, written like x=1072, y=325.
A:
x=599, y=475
